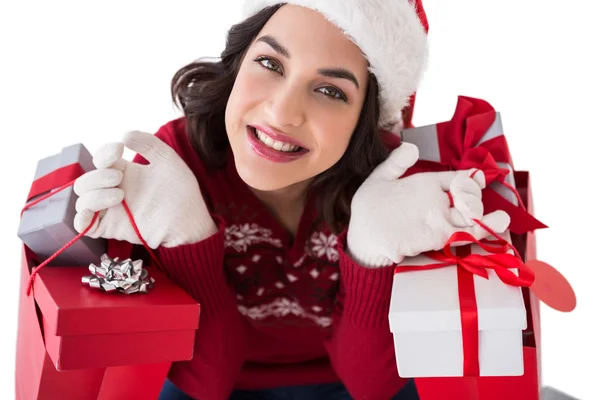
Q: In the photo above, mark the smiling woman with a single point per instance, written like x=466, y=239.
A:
x=270, y=55
x=289, y=98
x=276, y=203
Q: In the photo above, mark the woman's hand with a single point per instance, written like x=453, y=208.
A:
x=394, y=218
x=164, y=196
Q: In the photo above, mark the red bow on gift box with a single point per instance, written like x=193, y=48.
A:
x=461, y=148
x=498, y=260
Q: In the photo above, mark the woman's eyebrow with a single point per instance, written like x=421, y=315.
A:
x=339, y=73
x=342, y=73
x=278, y=47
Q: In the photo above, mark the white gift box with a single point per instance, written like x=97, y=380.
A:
x=425, y=320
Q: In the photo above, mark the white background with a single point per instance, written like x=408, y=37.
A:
x=87, y=71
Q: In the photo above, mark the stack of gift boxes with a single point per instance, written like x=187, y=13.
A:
x=464, y=319
x=77, y=339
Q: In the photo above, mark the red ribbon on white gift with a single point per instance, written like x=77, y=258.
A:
x=475, y=264
x=54, y=182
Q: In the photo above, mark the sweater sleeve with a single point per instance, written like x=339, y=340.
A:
x=219, y=348
x=361, y=348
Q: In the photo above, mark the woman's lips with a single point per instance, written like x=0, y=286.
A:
x=277, y=136
x=269, y=153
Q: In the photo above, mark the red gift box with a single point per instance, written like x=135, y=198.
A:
x=78, y=342
x=89, y=328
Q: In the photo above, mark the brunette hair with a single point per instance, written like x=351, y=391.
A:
x=201, y=90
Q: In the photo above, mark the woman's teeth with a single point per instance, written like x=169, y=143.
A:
x=279, y=146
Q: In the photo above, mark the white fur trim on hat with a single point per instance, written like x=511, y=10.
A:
x=390, y=35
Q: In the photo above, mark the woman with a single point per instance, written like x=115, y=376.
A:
x=276, y=204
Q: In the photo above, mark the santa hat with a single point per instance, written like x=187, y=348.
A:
x=392, y=34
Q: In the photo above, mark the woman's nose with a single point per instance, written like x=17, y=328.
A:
x=287, y=107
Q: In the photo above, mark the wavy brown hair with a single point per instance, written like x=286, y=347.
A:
x=202, y=89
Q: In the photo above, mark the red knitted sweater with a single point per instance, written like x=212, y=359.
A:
x=277, y=310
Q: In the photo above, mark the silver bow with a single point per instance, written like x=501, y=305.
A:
x=124, y=276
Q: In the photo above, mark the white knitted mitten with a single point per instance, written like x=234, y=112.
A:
x=394, y=218
x=164, y=196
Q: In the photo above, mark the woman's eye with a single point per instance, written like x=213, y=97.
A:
x=268, y=63
x=333, y=93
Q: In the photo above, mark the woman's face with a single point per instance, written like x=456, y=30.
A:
x=296, y=100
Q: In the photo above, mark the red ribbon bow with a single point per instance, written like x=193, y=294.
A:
x=498, y=260
x=460, y=149
x=482, y=159
x=475, y=264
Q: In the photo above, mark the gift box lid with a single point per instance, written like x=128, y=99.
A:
x=72, y=308
x=428, y=300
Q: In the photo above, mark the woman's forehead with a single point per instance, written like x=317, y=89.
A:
x=304, y=32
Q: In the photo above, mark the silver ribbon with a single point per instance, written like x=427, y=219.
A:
x=125, y=276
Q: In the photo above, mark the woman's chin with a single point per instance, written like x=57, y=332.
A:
x=266, y=181
x=263, y=182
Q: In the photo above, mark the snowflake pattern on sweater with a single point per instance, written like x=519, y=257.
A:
x=282, y=307
x=270, y=286
x=239, y=237
x=323, y=244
